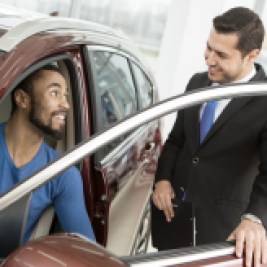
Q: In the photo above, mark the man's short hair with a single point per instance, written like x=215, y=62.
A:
x=246, y=24
x=27, y=85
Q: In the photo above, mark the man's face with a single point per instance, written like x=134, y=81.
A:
x=49, y=104
x=225, y=63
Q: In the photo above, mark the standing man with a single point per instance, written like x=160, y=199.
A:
x=40, y=107
x=220, y=168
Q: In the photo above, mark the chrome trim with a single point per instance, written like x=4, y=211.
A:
x=28, y=28
x=124, y=53
x=89, y=146
x=202, y=253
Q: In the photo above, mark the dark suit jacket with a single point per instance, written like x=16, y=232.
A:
x=225, y=176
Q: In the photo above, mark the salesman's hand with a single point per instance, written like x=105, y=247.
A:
x=162, y=198
x=250, y=238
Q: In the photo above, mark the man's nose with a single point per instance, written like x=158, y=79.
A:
x=211, y=58
x=64, y=103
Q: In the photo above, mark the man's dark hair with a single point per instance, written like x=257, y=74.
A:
x=246, y=24
x=27, y=84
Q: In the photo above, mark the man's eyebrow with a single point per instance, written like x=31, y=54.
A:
x=54, y=85
x=222, y=53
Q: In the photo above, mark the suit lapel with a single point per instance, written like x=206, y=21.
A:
x=192, y=118
x=192, y=114
x=234, y=106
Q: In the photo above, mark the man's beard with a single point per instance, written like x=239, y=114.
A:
x=45, y=128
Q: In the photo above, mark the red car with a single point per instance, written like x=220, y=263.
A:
x=108, y=82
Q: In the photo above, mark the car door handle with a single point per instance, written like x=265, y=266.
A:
x=146, y=153
x=150, y=147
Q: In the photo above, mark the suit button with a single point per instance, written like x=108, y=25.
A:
x=195, y=161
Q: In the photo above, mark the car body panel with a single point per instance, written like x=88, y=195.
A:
x=59, y=250
x=133, y=195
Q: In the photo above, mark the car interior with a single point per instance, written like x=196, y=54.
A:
x=48, y=218
x=12, y=224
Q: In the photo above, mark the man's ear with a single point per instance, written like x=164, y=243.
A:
x=252, y=55
x=22, y=99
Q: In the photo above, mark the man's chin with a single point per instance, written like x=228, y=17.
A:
x=214, y=78
x=58, y=134
x=55, y=133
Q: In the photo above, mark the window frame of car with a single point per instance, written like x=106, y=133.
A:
x=88, y=51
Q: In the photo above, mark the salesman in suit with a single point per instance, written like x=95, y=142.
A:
x=220, y=168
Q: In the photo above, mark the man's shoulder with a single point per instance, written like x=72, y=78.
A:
x=51, y=153
x=201, y=77
x=198, y=80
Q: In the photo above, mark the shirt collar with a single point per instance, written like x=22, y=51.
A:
x=248, y=77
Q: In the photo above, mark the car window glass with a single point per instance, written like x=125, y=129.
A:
x=144, y=88
x=115, y=92
x=115, y=87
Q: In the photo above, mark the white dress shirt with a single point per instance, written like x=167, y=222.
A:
x=224, y=102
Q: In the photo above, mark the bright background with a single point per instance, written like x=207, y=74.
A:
x=172, y=34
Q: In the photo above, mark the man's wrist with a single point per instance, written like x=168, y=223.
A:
x=251, y=217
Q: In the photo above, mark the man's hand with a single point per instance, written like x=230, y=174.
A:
x=251, y=239
x=162, y=198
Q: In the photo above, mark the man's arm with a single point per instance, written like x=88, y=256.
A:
x=163, y=192
x=250, y=234
x=70, y=206
x=171, y=150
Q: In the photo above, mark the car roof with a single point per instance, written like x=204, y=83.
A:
x=41, y=34
x=23, y=29
x=18, y=24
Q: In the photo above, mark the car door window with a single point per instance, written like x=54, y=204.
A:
x=115, y=87
x=145, y=89
x=115, y=93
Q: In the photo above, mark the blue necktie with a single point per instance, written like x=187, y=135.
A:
x=207, y=119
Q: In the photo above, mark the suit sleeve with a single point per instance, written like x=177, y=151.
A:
x=170, y=151
x=175, y=140
x=70, y=206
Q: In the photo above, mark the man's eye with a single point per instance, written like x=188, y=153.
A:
x=53, y=93
x=222, y=55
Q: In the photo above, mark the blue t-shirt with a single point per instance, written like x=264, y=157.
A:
x=64, y=192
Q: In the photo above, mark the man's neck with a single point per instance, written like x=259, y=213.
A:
x=248, y=76
x=23, y=141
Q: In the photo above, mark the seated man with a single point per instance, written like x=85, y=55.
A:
x=39, y=108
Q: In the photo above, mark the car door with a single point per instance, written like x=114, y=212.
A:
x=123, y=170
